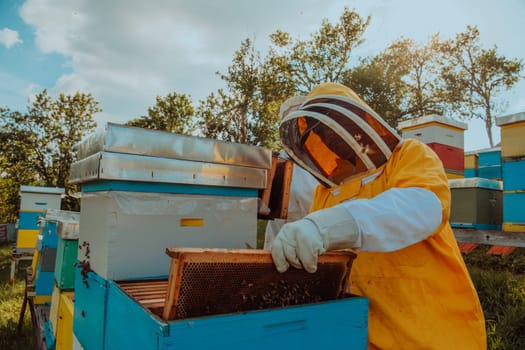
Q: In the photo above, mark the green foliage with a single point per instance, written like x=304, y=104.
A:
x=11, y=299
x=261, y=229
x=326, y=55
x=37, y=147
x=236, y=109
x=247, y=112
x=473, y=77
x=379, y=82
x=500, y=283
x=172, y=113
x=400, y=82
x=9, y=199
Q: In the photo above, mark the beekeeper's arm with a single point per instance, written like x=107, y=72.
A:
x=405, y=214
x=390, y=221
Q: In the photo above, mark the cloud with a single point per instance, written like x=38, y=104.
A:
x=127, y=52
x=9, y=37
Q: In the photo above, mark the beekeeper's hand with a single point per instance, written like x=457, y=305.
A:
x=300, y=243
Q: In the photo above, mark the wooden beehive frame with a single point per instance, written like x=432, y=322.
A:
x=181, y=256
x=150, y=294
x=277, y=192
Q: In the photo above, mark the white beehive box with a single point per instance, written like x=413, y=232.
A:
x=434, y=129
x=35, y=198
x=124, y=235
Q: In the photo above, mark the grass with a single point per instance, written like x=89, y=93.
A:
x=500, y=283
x=11, y=299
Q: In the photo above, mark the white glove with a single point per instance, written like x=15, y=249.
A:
x=301, y=242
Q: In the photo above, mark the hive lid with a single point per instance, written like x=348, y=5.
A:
x=38, y=189
x=510, y=119
x=58, y=215
x=132, y=140
x=432, y=118
x=68, y=229
x=489, y=150
x=477, y=182
x=132, y=167
x=218, y=281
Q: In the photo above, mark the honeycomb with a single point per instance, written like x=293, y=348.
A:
x=221, y=281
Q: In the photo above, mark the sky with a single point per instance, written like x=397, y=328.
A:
x=128, y=52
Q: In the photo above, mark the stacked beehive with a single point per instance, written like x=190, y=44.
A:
x=513, y=172
x=47, y=248
x=34, y=201
x=471, y=164
x=59, y=329
x=144, y=191
x=444, y=135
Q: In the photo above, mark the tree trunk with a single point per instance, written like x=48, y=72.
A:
x=488, y=126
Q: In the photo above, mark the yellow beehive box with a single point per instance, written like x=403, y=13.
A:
x=34, y=262
x=471, y=160
x=27, y=239
x=512, y=131
x=53, y=310
x=451, y=175
x=512, y=227
x=64, y=331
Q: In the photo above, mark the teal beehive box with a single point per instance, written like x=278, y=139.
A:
x=67, y=251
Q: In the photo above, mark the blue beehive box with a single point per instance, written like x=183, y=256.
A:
x=489, y=157
x=514, y=175
x=44, y=282
x=105, y=317
x=45, y=267
x=49, y=224
x=490, y=172
x=338, y=324
x=89, y=316
x=193, y=309
x=49, y=233
x=470, y=172
x=28, y=220
x=513, y=204
x=44, y=276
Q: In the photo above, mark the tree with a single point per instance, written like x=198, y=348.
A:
x=247, y=111
x=37, y=147
x=402, y=81
x=474, y=76
x=326, y=55
x=172, y=113
x=422, y=84
x=13, y=173
x=378, y=81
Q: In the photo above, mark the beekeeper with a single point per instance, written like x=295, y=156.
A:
x=388, y=200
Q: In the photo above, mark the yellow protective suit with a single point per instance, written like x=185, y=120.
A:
x=421, y=297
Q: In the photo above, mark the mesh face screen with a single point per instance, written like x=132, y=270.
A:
x=218, y=288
